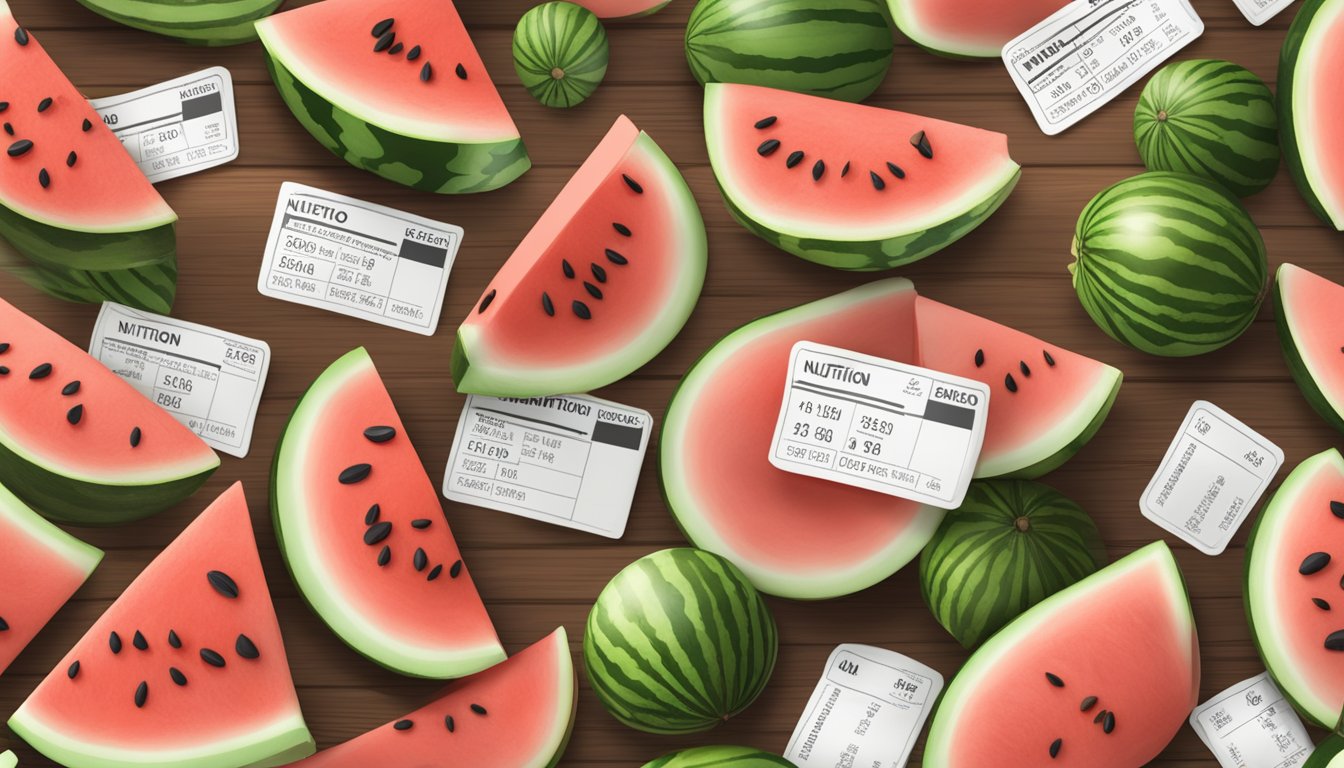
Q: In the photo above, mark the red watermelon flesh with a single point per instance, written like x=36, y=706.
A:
x=1310, y=314
x=969, y=27
x=207, y=591
x=517, y=714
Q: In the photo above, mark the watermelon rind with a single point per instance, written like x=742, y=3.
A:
x=720, y=757
x=1328, y=754
x=1298, y=365
x=1306, y=40
x=82, y=556
x=150, y=288
x=1095, y=409
x=8, y=759
x=622, y=16
x=208, y=22
x=958, y=50
x=560, y=53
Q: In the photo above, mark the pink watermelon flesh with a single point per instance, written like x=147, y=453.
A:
x=241, y=713
x=969, y=27
x=517, y=714
x=622, y=9
x=1311, y=316
x=1317, y=104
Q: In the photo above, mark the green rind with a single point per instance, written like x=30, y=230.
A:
x=836, y=48
x=1297, y=366
x=54, y=246
x=76, y=552
x=1328, y=754
x=151, y=288
x=720, y=757
x=431, y=166
x=1169, y=264
x=209, y=23
x=640, y=15
x=679, y=642
x=1062, y=456
x=1288, y=97
x=1209, y=118
x=560, y=36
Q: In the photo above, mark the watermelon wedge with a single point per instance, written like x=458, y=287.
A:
x=517, y=714
x=806, y=538
x=365, y=539
x=186, y=668
x=71, y=198
x=1100, y=675
x=847, y=185
x=1310, y=310
x=1311, y=106
x=77, y=442
x=968, y=28
x=397, y=88
x=41, y=566
x=625, y=221
x=203, y=22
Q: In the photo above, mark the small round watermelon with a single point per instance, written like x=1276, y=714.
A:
x=719, y=757
x=560, y=53
x=1170, y=264
x=1010, y=545
x=1209, y=118
x=678, y=642
x=836, y=48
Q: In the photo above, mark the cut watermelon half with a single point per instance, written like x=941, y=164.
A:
x=186, y=668
x=805, y=538
x=80, y=444
x=615, y=10
x=1310, y=313
x=1311, y=106
x=41, y=566
x=517, y=714
x=1100, y=675
x=395, y=87
x=365, y=539
x=968, y=28
x=565, y=313
x=847, y=185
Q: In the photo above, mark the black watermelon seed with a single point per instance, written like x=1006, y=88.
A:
x=4, y=370
x=546, y=304
x=434, y=573
x=1050, y=361
x=844, y=171
x=355, y=473
x=246, y=648
x=395, y=49
x=139, y=641
x=794, y=159
x=818, y=170
x=9, y=129
x=599, y=273
x=449, y=724
x=223, y=583
x=478, y=709
x=40, y=372
x=567, y=268
x=1054, y=679
x=1100, y=716
x=377, y=532
x=1088, y=703
x=44, y=178
x=4, y=347
x=1010, y=382
x=114, y=641
x=616, y=258
x=71, y=388
x=979, y=357
x=135, y=437
x=581, y=310
x=141, y=694
x=87, y=126
x=421, y=560
x=380, y=433
x=373, y=514
x=413, y=54
x=174, y=640
x=177, y=676
x=455, y=570
x=44, y=105
x=631, y=183
x=1022, y=366
x=73, y=670
x=21, y=36
x=766, y=122
x=382, y=27
x=384, y=42
x=70, y=159
x=768, y=147
x=20, y=147
x=4, y=625
x=896, y=170
x=485, y=303
x=621, y=229
x=592, y=290
x=1335, y=641
x=878, y=183
x=421, y=523
x=1055, y=747
x=461, y=72
x=1108, y=722
x=426, y=72
x=1313, y=563
x=384, y=555
x=75, y=414
x=403, y=725
x=212, y=657
x=4, y=105
x=921, y=142
x=1337, y=509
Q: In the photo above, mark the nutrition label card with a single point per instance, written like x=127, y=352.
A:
x=210, y=380
x=889, y=427
x=1251, y=725
x=179, y=127
x=569, y=460
x=1087, y=53
x=867, y=710
x=1259, y=11
x=359, y=259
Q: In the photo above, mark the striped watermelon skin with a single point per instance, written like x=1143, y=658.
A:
x=720, y=757
x=1169, y=264
x=678, y=642
x=565, y=38
x=1210, y=118
x=1010, y=545
x=836, y=48
x=199, y=22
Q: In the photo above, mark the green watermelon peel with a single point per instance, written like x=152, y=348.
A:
x=208, y=23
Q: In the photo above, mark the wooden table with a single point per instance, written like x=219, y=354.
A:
x=535, y=576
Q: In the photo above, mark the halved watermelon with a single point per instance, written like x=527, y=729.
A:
x=395, y=87
x=517, y=714
x=625, y=220
x=847, y=185
x=1310, y=314
x=186, y=668
x=41, y=566
x=1100, y=675
x=77, y=442
x=1311, y=106
x=968, y=28
x=805, y=538
x=365, y=539
x=71, y=198
x=615, y=10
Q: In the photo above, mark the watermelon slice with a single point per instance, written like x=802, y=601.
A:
x=80, y=444
x=1310, y=310
x=365, y=539
x=518, y=714
x=847, y=185
x=968, y=28
x=41, y=566
x=1100, y=675
x=395, y=87
x=806, y=538
x=615, y=10
x=626, y=216
x=202, y=22
x=71, y=198
x=1311, y=106
x=187, y=668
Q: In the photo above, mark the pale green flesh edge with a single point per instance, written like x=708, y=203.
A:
x=8, y=760
x=911, y=28
x=1283, y=286
x=567, y=694
x=1302, y=83
x=308, y=568
x=83, y=556
x=173, y=14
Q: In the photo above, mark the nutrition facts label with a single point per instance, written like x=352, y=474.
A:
x=1251, y=725
x=1259, y=11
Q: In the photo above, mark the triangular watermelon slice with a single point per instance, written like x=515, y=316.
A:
x=517, y=714
x=41, y=566
x=395, y=87
x=365, y=539
x=1310, y=314
x=186, y=668
x=847, y=185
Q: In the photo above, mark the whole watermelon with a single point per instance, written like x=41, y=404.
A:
x=678, y=642
x=720, y=757
x=560, y=53
x=1169, y=264
x=835, y=48
x=1209, y=118
x=1010, y=545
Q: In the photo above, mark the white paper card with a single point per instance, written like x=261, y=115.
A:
x=179, y=127
x=1213, y=475
x=1259, y=11
x=867, y=710
x=210, y=380
x=872, y=423
x=569, y=460
x=1090, y=51
x=1251, y=725
x=359, y=259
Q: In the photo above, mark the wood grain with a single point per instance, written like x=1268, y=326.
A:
x=535, y=577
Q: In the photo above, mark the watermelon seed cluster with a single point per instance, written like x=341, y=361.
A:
x=385, y=41
x=920, y=141
x=1009, y=381
x=1105, y=718
x=1315, y=563
x=448, y=721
